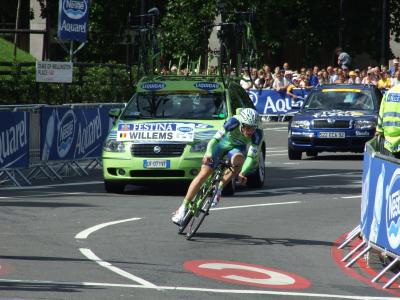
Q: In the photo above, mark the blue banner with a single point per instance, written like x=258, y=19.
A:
x=380, y=205
x=73, y=20
x=73, y=133
x=14, y=139
x=271, y=102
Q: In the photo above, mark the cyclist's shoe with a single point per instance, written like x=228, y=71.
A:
x=179, y=214
x=216, y=198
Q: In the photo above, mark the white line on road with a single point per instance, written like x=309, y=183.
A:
x=85, y=233
x=37, y=187
x=256, y=205
x=193, y=289
x=328, y=175
x=90, y=255
x=45, y=195
x=351, y=197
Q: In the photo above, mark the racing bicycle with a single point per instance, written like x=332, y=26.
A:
x=200, y=205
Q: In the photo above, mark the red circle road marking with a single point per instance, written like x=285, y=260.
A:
x=246, y=274
x=5, y=269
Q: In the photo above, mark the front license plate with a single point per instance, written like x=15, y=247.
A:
x=156, y=164
x=332, y=135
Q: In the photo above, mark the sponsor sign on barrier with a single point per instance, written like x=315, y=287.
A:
x=73, y=133
x=271, y=102
x=380, y=205
x=73, y=20
x=14, y=138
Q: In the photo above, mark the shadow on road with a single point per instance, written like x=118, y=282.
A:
x=241, y=239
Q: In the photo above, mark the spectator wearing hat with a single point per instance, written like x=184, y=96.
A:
x=395, y=67
x=293, y=84
x=353, y=79
x=288, y=77
x=384, y=82
x=369, y=78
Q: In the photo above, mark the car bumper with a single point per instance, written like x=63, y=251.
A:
x=309, y=141
x=132, y=169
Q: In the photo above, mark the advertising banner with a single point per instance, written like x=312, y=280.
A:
x=271, y=102
x=73, y=20
x=53, y=71
x=14, y=139
x=73, y=133
x=156, y=131
x=380, y=205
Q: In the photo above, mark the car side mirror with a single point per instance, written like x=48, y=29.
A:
x=114, y=113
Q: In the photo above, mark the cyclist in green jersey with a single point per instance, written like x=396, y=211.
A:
x=238, y=132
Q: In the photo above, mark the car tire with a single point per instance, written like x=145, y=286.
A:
x=257, y=179
x=230, y=188
x=114, y=187
x=312, y=153
x=294, y=154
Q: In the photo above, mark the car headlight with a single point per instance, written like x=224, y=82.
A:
x=364, y=124
x=304, y=124
x=199, y=147
x=114, y=146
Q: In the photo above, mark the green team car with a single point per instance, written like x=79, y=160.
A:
x=162, y=133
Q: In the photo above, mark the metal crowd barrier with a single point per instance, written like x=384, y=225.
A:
x=370, y=239
x=39, y=168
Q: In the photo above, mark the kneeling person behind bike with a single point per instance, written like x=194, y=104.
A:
x=232, y=140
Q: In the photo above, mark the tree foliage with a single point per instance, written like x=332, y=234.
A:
x=306, y=30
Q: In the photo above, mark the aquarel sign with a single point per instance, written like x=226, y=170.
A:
x=73, y=20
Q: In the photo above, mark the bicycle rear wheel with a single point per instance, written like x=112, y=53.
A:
x=199, y=216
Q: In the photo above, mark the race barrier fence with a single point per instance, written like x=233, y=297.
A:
x=51, y=141
x=379, y=225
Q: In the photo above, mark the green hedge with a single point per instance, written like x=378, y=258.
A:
x=92, y=83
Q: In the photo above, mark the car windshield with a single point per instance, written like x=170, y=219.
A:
x=356, y=99
x=200, y=106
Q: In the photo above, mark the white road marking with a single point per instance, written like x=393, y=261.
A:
x=90, y=255
x=328, y=175
x=283, y=154
x=85, y=233
x=256, y=205
x=277, y=151
x=45, y=195
x=351, y=197
x=194, y=289
x=37, y=187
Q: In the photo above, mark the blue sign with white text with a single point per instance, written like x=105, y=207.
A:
x=14, y=139
x=73, y=133
x=73, y=20
x=271, y=102
x=380, y=205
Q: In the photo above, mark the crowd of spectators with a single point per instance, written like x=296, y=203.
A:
x=283, y=78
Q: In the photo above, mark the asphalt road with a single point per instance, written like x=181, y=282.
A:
x=74, y=241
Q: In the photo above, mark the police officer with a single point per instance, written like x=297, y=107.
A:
x=389, y=123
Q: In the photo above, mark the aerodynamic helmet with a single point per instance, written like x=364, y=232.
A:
x=249, y=117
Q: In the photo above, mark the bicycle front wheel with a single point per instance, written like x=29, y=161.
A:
x=199, y=216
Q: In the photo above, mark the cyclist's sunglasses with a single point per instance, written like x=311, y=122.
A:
x=248, y=127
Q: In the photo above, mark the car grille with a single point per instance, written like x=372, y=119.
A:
x=164, y=150
x=157, y=173
x=323, y=123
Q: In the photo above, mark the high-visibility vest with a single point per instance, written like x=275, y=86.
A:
x=389, y=119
